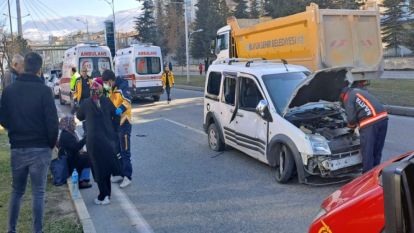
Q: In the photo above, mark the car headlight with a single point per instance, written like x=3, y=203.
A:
x=320, y=213
x=319, y=145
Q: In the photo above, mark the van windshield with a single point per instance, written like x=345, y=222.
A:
x=282, y=86
x=148, y=65
x=95, y=65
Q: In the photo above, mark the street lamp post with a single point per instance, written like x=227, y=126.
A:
x=87, y=26
x=188, y=51
x=10, y=16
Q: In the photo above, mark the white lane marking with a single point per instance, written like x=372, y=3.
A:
x=131, y=211
x=185, y=126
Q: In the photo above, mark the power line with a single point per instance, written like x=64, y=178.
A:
x=51, y=21
x=54, y=13
x=37, y=15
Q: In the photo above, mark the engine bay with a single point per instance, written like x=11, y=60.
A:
x=329, y=122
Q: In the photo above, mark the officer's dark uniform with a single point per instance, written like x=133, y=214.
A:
x=365, y=111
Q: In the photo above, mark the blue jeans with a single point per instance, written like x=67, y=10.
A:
x=24, y=162
x=85, y=174
x=125, y=144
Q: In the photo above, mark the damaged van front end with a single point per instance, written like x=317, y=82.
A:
x=315, y=109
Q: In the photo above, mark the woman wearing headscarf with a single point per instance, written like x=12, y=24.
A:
x=101, y=140
x=70, y=145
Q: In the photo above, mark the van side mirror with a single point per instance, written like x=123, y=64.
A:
x=262, y=109
x=213, y=46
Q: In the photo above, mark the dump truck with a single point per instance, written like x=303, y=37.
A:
x=317, y=39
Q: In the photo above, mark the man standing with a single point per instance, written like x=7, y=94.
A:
x=82, y=89
x=75, y=76
x=117, y=89
x=366, y=112
x=15, y=70
x=168, y=81
x=29, y=114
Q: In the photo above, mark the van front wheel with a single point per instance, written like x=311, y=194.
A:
x=156, y=98
x=215, y=141
x=284, y=164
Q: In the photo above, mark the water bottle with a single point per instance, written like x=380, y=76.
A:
x=75, y=187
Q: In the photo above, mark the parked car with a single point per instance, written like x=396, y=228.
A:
x=359, y=205
x=283, y=116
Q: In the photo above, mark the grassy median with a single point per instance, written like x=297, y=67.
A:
x=399, y=92
x=60, y=216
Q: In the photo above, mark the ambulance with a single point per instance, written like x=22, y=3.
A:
x=141, y=65
x=89, y=55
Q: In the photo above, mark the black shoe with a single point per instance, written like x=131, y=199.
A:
x=84, y=185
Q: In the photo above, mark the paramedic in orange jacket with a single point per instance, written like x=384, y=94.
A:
x=119, y=95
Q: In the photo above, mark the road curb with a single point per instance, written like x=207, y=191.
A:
x=191, y=88
x=81, y=211
x=400, y=111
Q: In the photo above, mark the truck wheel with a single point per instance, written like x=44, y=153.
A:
x=284, y=164
x=156, y=98
x=60, y=99
x=215, y=142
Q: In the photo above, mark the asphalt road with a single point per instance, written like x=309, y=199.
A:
x=180, y=185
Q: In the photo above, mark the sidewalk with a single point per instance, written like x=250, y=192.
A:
x=120, y=216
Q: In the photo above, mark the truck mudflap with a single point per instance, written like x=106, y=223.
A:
x=140, y=92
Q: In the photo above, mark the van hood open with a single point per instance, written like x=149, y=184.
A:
x=324, y=85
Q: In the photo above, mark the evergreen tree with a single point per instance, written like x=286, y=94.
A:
x=240, y=11
x=280, y=8
x=210, y=16
x=145, y=24
x=161, y=26
x=175, y=30
x=255, y=9
x=392, y=28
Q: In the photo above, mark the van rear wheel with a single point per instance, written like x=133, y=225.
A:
x=215, y=141
x=284, y=164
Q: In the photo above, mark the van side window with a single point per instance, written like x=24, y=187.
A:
x=214, y=82
x=250, y=95
x=229, y=90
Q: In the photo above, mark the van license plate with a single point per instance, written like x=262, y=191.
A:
x=337, y=164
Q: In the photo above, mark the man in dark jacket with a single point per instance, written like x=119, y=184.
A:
x=366, y=112
x=15, y=70
x=29, y=114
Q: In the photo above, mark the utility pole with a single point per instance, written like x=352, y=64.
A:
x=187, y=54
x=19, y=19
x=11, y=25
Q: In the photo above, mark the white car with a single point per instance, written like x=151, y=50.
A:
x=282, y=116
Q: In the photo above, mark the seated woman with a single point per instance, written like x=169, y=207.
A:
x=70, y=146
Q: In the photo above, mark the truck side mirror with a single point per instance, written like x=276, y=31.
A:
x=213, y=46
x=262, y=109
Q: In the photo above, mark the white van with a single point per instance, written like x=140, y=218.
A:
x=283, y=116
x=141, y=65
x=90, y=55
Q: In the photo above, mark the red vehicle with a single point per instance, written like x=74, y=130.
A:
x=358, y=206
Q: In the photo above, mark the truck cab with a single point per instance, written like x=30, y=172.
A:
x=281, y=115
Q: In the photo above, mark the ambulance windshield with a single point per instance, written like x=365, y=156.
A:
x=148, y=65
x=95, y=65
